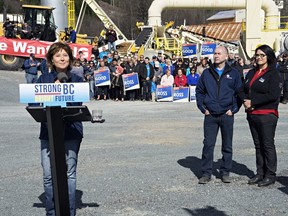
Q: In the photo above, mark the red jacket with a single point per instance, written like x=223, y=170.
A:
x=180, y=81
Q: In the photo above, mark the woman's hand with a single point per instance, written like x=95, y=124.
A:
x=247, y=104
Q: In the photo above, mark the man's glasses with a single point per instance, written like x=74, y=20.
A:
x=260, y=55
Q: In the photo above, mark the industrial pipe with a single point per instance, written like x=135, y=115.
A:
x=157, y=6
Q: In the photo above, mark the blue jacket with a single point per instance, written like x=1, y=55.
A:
x=73, y=36
x=192, y=80
x=31, y=69
x=43, y=67
x=73, y=130
x=219, y=94
x=171, y=67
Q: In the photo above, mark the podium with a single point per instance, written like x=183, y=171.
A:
x=56, y=116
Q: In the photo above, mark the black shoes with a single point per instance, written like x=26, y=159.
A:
x=226, y=179
x=255, y=180
x=260, y=181
x=204, y=179
x=266, y=182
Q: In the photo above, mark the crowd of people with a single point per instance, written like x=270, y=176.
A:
x=158, y=70
x=152, y=71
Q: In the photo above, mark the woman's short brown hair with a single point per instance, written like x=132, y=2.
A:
x=55, y=48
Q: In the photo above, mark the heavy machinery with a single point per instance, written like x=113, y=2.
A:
x=41, y=20
x=14, y=51
x=256, y=31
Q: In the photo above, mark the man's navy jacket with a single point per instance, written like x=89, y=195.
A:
x=219, y=94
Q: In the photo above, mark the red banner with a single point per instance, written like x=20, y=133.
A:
x=22, y=47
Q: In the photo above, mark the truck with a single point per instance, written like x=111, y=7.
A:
x=14, y=51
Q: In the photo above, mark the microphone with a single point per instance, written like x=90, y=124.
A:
x=62, y=77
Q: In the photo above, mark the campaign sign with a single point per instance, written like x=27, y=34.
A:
x=130, y=81
x=208, y=48
x=189, y=50
x=102, y=77
x=164, y=93
x=192, y=93
x=181, y=94
x=54, y=94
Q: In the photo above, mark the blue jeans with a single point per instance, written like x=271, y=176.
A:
x=112, y=45
x=71, y=148
x=30, y=78
x=92, y=87
x=211, y=127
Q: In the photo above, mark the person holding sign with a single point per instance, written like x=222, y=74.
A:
x=60, y=59
x=102, y=89
x=180, y=79
x=216, y=96
x=129, y=69
x=193, y=77
x=167, y=79
x=117, y=83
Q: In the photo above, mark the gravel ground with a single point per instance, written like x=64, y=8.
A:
x=143, y=161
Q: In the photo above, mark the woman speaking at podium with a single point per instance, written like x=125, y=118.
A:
x=60, y=58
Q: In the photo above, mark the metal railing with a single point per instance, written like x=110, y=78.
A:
x=281, y=24
x=169, y=44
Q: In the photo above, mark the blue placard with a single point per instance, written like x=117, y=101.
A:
x=102, y=77
x=192, y=93
x=208, y=48
x=181, y=94
x=130, y=81
x=164, y=93
x=54, y=94
x=189, y=50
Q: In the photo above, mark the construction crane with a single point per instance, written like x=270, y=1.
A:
x=71, y=13
x=102, y=16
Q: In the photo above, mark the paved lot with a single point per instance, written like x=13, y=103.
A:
x=144, y=160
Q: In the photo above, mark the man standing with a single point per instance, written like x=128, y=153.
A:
x=216, y=95
x=31, y=68
x=146, y=74
x=111, y=37
x=283, y=69
x=72, y=35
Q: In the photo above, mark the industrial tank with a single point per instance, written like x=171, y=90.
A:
x=60, y=12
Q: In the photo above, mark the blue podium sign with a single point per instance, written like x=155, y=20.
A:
x=181, y=94
x=54, y=94
x=130, y=81
x=102, y=77
x=164, y=93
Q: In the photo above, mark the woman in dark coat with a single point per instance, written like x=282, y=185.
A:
x=261, y=95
